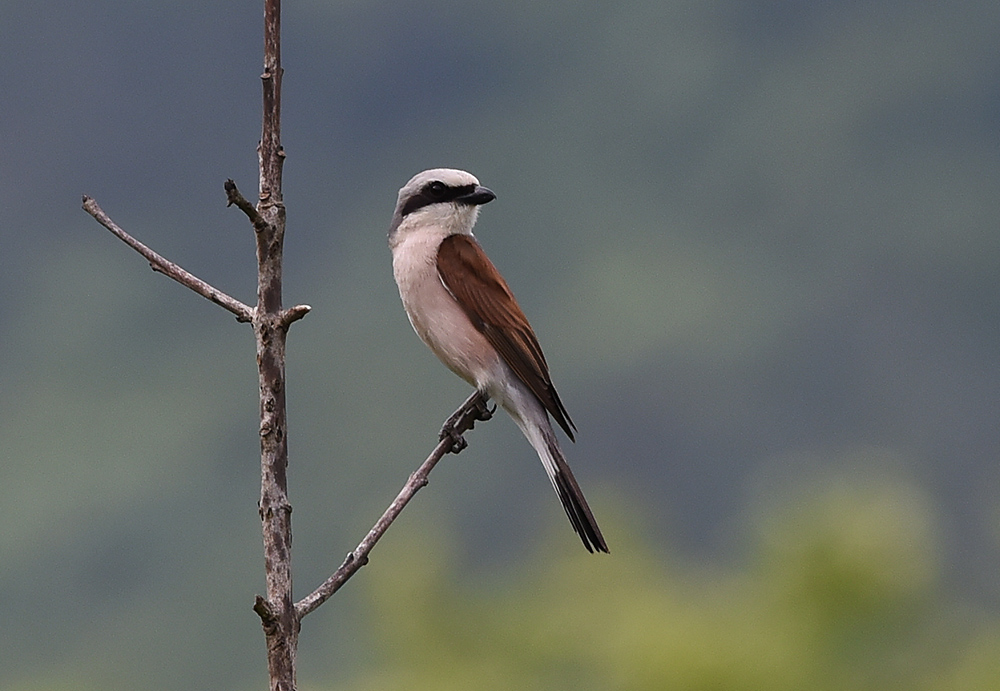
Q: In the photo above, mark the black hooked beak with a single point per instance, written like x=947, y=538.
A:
x=480, y=195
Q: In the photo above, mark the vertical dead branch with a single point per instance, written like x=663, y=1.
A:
x=270, y=154
x=277, y=611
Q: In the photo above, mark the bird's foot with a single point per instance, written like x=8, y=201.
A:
x=449, y=430
x=458, y=442
x=481, y=411
x=472, y=411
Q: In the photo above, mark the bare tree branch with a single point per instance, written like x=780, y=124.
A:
x=474, y=409
x=234, y=196
x=293, y=314
x=277, y=608
x=244, y=313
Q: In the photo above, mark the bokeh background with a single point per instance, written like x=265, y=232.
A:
x=758, y=239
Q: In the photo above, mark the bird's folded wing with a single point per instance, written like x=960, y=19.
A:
x=484, y=296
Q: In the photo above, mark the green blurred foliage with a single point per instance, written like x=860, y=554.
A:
x=840, y=591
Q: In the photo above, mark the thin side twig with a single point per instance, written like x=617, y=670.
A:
x=244, y=313
x=234, y=196
x=464, y=419
x=293, y=314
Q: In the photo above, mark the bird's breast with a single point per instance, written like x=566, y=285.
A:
x=436, y=316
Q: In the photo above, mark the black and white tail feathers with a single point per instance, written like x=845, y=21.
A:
x=571, y=496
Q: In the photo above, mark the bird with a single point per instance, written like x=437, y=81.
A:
x=464, y=311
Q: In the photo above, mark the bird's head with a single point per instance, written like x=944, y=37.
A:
x=444, y=198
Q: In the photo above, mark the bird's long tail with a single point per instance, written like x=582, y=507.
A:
x=575, y=504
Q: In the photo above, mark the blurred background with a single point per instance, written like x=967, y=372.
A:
x=758, y=240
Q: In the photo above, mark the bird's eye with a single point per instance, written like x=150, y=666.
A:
x=436, y=189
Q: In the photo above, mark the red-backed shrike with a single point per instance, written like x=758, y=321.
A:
x=460, y=306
